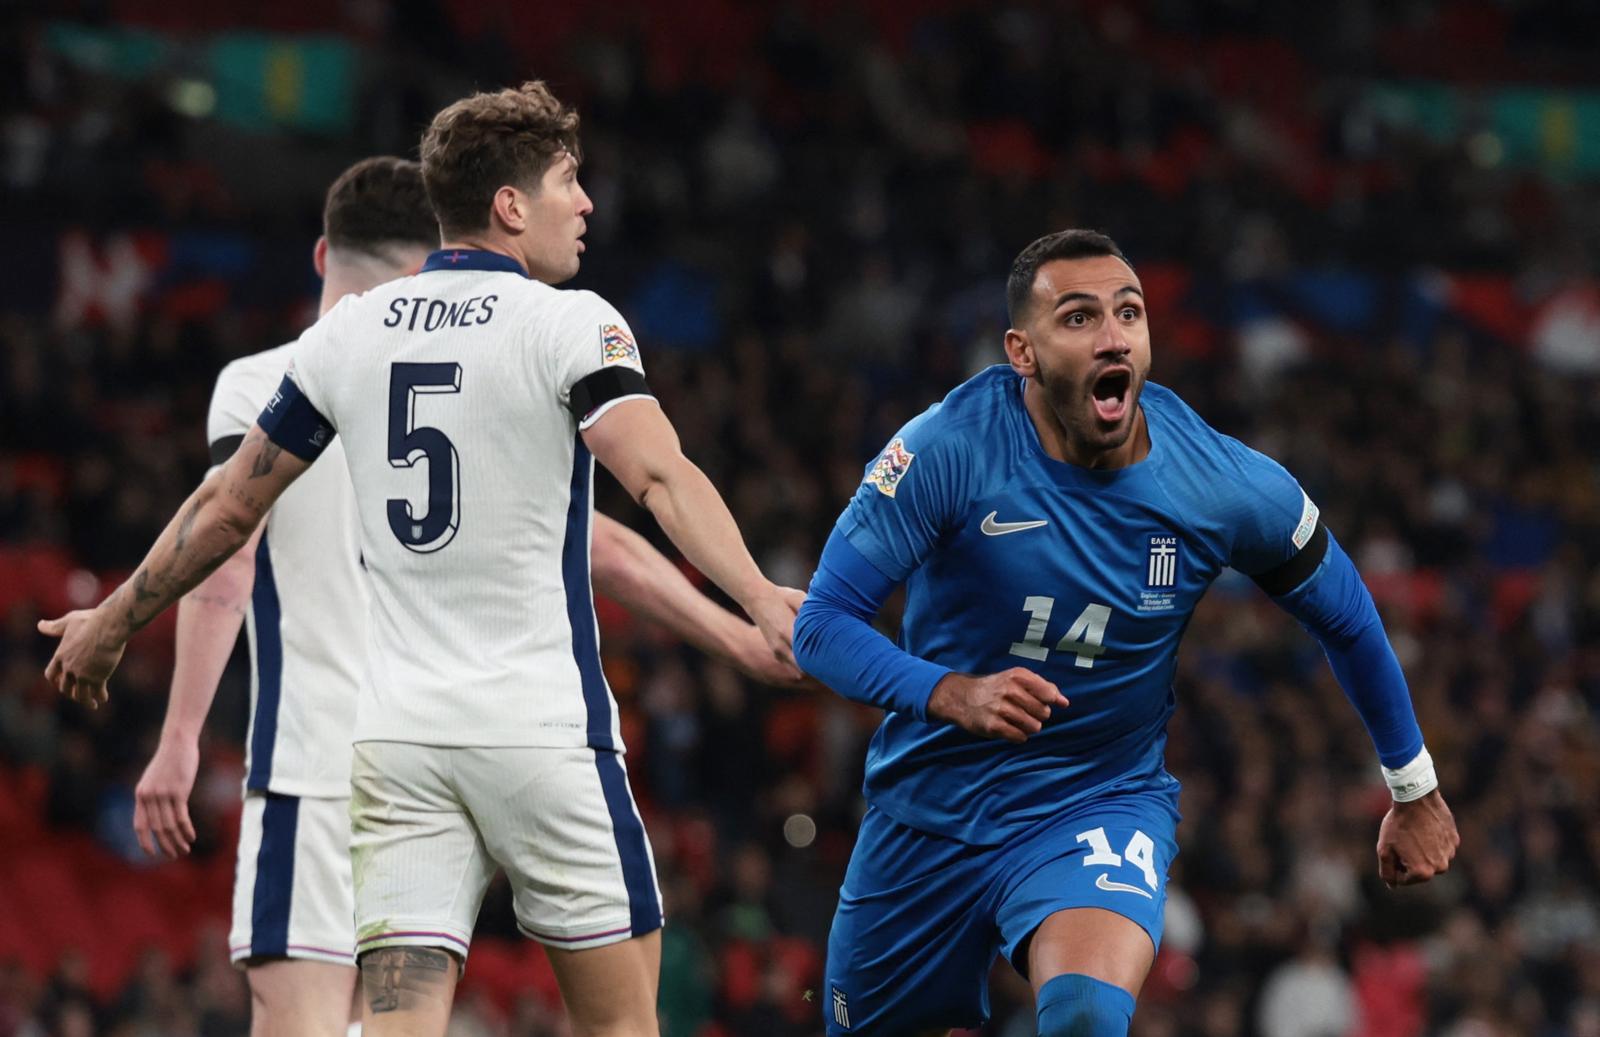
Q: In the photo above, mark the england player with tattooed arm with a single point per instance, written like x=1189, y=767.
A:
x=485, y=733
x=297, y=587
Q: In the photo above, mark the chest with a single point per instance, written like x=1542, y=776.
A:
x=1070, y=575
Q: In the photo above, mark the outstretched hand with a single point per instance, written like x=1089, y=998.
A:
x=86, y=657
x=773, y=614
x=1416, y=841
x=1012, y=704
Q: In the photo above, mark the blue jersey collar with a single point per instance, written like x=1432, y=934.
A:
x=472, y=259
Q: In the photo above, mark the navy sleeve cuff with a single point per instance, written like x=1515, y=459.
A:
x=290, y=421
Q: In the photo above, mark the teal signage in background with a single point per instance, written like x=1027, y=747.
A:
x=265, y=81
x=254, y=80
x=1557, y=131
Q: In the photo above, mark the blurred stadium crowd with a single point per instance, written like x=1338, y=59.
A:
x=807, y=212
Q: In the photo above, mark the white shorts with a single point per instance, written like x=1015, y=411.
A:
x=292, y=895
x=429, y=825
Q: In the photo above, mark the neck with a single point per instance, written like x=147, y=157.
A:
x=352, y=274
x=488, y=241
x=1060, y=444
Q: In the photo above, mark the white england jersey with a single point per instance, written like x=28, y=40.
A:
x=453, y=392
x=308, y=609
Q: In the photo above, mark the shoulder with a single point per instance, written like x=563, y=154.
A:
x=254, y=373
x=570, y=308
x=1191, y=445
x=1222, y=483
x=949, y=442
x=964, y=420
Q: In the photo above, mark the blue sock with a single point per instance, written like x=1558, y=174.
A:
x=1072, y=1005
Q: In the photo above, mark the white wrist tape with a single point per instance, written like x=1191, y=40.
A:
x=1413, y=781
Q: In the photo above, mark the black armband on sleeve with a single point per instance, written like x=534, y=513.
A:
x=1284, y=578
x=224, y=448
x=290, y=421
x=609, y=383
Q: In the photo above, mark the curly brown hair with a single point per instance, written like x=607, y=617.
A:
x=487, y=141
x=377, y=203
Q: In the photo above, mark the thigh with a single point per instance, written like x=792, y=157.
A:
x=295, y=997
x=419, y=866
x=913, y=937
x=563, y=825
x=292, y=894
x=1102, y=868
x=610, y=989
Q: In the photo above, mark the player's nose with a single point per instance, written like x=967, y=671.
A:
x=1111, y=343
x=585, y=203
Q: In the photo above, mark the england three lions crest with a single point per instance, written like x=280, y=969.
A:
x=890, y=467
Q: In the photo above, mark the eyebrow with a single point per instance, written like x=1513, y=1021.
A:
x=1066, y=297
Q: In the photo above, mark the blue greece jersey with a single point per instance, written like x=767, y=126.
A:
x=1088, y=577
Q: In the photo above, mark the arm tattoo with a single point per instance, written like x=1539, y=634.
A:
x=265, y=459
x=395, y=978
x=186, y=527
x=140, y=582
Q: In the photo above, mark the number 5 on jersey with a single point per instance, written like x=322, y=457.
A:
x=410, y=443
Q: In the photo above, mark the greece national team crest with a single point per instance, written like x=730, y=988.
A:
x=841, y=1008
x=890, y=467
x=1161, y=561
x=1162, y=554
x=617, y=346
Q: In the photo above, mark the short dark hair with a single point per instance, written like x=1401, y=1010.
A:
x=378, y=203
x=486, y=141
x=1076, y=243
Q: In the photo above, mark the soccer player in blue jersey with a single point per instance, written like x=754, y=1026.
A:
x=1055, y=522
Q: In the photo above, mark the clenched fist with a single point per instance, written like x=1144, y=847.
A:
x=1012, y=704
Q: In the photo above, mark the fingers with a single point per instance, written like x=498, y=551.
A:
x=185, y=826
x=791, y=597
x=1389, y=866
x=53, y=627
x=1036, y=686
x=161, y=826
x=1029, y=707
x=1022, y=719
x=141, y=824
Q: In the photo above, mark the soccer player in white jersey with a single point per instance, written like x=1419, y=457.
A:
x=298, y=584
x=472, y=400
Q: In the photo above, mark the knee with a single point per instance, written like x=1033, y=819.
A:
x=1073, y=1005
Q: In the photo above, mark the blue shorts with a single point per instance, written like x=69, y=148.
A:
x=922, y=917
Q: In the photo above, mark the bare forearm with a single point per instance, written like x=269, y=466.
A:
x=205, y=532
x=209, y=618
x=629, y=570
x=693, y=514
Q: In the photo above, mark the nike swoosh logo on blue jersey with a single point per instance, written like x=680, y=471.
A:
x=992, y=528
x=1104, y=882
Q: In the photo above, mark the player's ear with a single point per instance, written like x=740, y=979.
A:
x=1019, y=350
x=319, y=255
x=510, y=208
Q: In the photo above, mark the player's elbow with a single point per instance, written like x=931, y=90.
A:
x=811, y=624
x=665, y=480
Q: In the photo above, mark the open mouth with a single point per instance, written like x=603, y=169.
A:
x=1110, y=394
